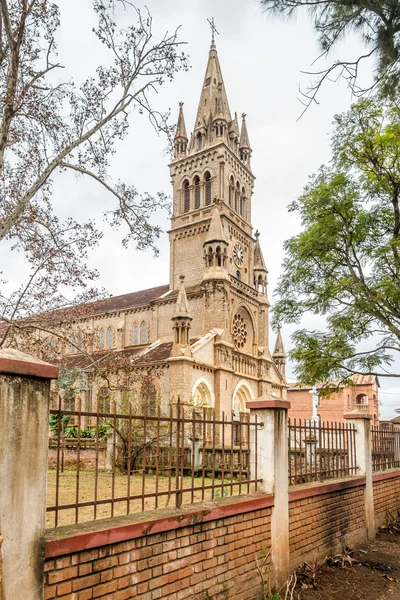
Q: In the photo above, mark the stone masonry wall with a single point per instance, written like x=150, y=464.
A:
x=208, y=560
x=386, y=496
x=321, y=523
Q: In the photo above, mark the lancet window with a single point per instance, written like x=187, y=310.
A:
x=143, y=333
x=109, y=337
x=101, y=339
x=186, y=196
x=197, y=192
x=135, y=334
x=207, y=180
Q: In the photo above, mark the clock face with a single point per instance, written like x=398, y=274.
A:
x=238, y=254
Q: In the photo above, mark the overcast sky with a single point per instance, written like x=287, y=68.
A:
x=261, y=59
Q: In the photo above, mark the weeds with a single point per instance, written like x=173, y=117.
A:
x=392, y=523
x=307, y=575
x=342, y=559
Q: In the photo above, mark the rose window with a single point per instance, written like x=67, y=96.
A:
x=239, y=331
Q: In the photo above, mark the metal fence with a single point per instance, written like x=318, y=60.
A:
x=137, y=462
x=320, y=450
x=385, y=446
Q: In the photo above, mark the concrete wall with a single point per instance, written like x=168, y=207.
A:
x=24, y=430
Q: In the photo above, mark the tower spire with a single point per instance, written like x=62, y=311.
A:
x=213, y=113
x=181, y=322
x=260, y=270
x=244, y=143
x=279, y=354
x=181, y=139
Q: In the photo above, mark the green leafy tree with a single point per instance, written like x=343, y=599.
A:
x=345, y=263
x=376, y=22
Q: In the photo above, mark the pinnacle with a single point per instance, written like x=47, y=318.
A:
x=181, y=306
x=215, y=232
x=279, y=350
x=244, y=136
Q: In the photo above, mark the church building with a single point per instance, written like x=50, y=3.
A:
x=207, y=329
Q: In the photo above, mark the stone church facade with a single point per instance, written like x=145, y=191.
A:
x=207, y=330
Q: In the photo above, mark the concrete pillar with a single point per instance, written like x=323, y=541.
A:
x=272, y=468
x=362, y=424
x=24, y=441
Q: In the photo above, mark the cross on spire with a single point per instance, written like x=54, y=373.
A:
x=213, y=28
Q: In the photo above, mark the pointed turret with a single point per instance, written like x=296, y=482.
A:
x=181, y=139
x=215, y=247
x=279, y=354
x=260, y=270
x=213, y=113
x=181, y=322
x=181, y=307
x=215, y=232
x=244, y=144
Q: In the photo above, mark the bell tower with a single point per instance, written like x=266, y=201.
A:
x=211, y=166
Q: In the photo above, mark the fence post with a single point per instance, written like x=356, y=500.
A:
x=24, y=442
x=362, y=425
x=272, y=468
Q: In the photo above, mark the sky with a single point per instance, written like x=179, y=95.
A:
x=261, y=58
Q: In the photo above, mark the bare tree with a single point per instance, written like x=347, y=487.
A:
x=48, y=126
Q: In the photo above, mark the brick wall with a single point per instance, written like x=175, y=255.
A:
x=386, y=495
x=320, y=522
x=214, y=559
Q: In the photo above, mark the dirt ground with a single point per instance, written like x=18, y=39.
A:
x=375, y=574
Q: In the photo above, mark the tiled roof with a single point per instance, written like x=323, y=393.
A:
x=155, y=353
x=129, y=300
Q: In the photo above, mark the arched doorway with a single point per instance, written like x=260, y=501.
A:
x=240, y=413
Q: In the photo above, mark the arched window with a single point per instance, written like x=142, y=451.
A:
x=362, y=400
x=199, y=141
x=143, y=333
x=197, y=192
x=231, y=191
x=79, y=342
x=73, y=348
x=218, y=256
x=237, y=274
x=210, y=257
x=207, y=179
x=243, y=203
x=149, y=399
x=101, y=339
x=135, y=334
x=186, y=196
x=109, y=338
x=104, y=400
x=237, y=197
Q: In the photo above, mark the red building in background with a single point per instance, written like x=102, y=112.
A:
x=362, y=395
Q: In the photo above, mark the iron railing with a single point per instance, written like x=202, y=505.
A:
x=320, y=450
x=138, y=462
x=385, y=444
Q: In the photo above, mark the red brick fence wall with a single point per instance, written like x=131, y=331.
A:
x=207, y=551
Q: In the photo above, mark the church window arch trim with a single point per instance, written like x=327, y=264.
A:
x=202, y=392
x=242, y=394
